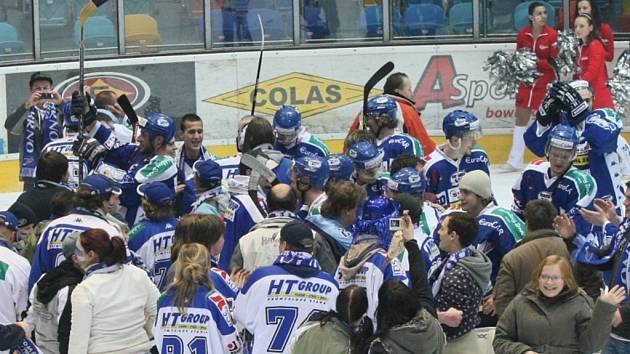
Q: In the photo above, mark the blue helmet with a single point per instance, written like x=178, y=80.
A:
x=365, y=155
x=70, y=121
x=374, y=222
x=314, y=167
x=407, y=180
x=459, y=122
x=158, y=124
x=562, y=137
x=340, y=167
x=287, y=121
x=379, y=207
x=379, y=105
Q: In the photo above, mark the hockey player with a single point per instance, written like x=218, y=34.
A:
x=92, y=201
x=191, y=130
x=152, y=238
x=381, y=120
x=449, y=162
x=276, y=299
x=368, y=161
x=192, y=316
x=209, y=195
x=130, y=164
x=555, y=180
x=407, y=188
x=341, y=169
x=598, y=133
x=292, y=139
x=308, y=178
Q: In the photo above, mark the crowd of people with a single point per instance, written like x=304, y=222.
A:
x=124, y=243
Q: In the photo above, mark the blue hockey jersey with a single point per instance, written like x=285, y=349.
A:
x=443, y=173
x=204, y=327
x=152, y=241
x=396, y=145
x=307, y=145
x=64, y=147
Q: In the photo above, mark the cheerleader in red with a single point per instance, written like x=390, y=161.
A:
x=592, y=62
x=605, y=32
x=542, y=40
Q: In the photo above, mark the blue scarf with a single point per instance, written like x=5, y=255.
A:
x=100, y=268
x=51, y=130
x=28, y=347
x=439, y=269
x=184, y=169
x=334, y=229
x=282, y=213
x=5, y=243
x=297, y=259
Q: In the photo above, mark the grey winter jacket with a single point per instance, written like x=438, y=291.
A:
x=422, y=335
x=567, y=324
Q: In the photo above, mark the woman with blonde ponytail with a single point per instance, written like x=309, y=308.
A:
x=192, y=315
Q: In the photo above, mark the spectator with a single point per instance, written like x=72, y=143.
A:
x=52, y=169
x=26, y=221
x=12, y=335
x=51, y=309
x=15, y=269
x=114, y=307
x=41, y=125
x=517, y=266
x=191, y=131
x=192, y=294
x=342, y=331
x=272, y=295
x=460, y=280
x=553, y=315
x=203, y=192
x=605, y=31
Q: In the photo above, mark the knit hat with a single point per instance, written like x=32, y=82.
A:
x=477, y=182
x=298, y=234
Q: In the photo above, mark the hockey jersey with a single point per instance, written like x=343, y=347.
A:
x=278, y=299
x=307, y=144
x=152, y=241
x=596, y=151
x=396, y=145
x=64, y=147
x=48, y=253
x=569, y=192
x=185, y=165
x=14, y=271
x=229, y=166
x=204, y=327
x=443, y=173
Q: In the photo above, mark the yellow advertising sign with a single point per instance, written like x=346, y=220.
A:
x=311, y=94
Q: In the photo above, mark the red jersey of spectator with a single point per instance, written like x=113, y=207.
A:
x=593, y=66
x=545, y=47
x=412, y=123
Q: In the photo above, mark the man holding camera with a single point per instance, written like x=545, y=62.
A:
x=38, y=122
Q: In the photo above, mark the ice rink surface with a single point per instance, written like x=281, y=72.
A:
x=501, y=186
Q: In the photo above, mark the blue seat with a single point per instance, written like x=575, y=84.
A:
x=223, y=26
x=99, y=33
x=272, y=23
x=398, y=25
x=9, y=42
x=521, y=16
x=315, y=22
x=423, y=19
x=134, y=7
x=53, y=13
x=373, y=21
x=259, y=4
x=418, y=2
x=460, y=18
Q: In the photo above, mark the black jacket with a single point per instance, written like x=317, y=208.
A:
x=419, y=278
x=10, y=336
x=38, y=198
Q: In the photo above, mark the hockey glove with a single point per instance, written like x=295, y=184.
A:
x=572, y=102
x=89, y=148
x=83, y=107
x=548, y=112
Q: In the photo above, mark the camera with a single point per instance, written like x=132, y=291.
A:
x=45, y=96
x=395, y=224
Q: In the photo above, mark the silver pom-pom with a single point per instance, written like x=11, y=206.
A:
x=509, y=70
x=568, y=52
x=620, y=83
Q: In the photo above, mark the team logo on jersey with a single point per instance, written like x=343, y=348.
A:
x=136, y=89
x=309, y=93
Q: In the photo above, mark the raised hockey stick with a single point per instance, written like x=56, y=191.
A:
x=126, y=106
x=85, y=13
x=369, y=85
x=262, y=49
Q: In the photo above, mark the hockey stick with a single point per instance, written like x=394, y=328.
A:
x=126, y=106
x=369, y=85
x=262, y=49
x=85, y=13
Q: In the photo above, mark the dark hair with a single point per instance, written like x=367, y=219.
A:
x=259, y=131
x=157, y=212
x=104, y=98
x=203, y=229
x=532, y=7
x=465, y=225
x=342, y=196
x=356, y=136
x=52, y=166
x=394, y=82
x=38, y=77
x=397, y=304
x=594, y=33
x=411, y=203
x=61, y=203
x=539, y=214
x=188, y=117
x=288, y=201
x=109, y=250
x=83, y=198
x=595, y=16
x=402, y=161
